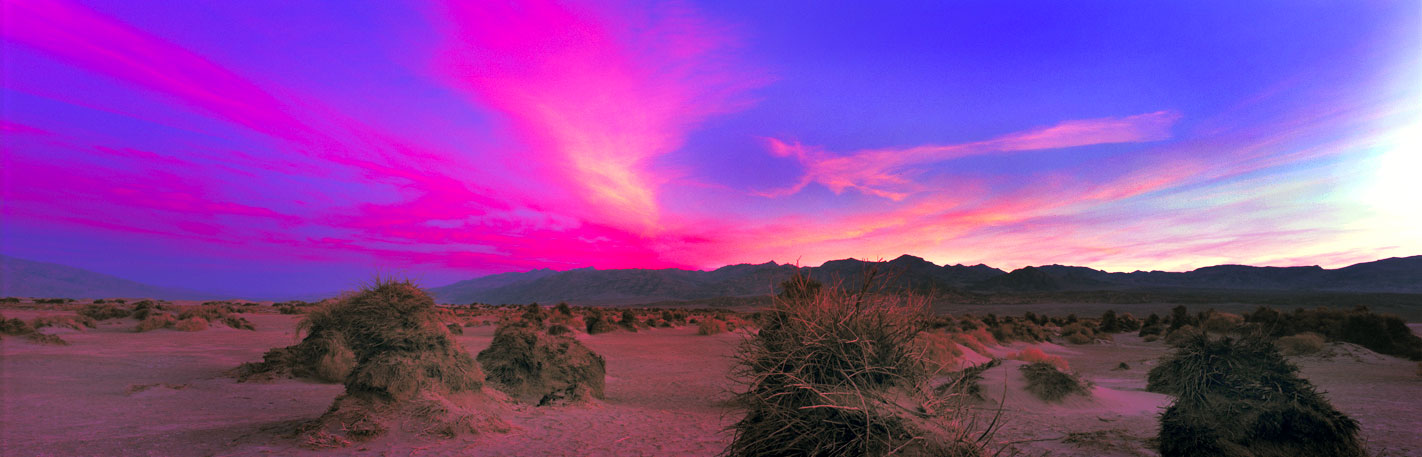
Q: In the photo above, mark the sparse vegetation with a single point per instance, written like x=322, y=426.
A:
x=1033, y=354
x=1307, y=343
x=1382, y=333
x=409, y=376
x=22, y=329
x=1050, y=383
x=543, y=367
x=104, y=311
x=1238, y=398
x=836, y=373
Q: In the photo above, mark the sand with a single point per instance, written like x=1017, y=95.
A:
x=164, y=393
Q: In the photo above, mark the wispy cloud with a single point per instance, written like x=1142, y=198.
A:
x=597, y=93
x=891, y=173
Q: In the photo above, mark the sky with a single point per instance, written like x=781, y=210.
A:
x=283, y=146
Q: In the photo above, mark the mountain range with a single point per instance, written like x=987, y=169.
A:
x=625, y=286
x=590, y=286
x=28, y=278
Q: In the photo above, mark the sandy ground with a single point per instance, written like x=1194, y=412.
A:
x=163, y=393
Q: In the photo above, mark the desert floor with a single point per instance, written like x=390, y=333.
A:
x=164, y=393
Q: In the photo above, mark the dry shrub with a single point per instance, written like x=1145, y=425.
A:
x=454, y=328
x=1033, y=354
x=1222, y=322
x=545, y=367
x=1240, y=398
x=938, y=351
x=1051, y=384
x=16, y=327
x=970, y=342
x=1181, y=335
x=144, y=308
x=836, y=373
x=983, y=336
x=1307, y=343
x=156, y=321
x=711, y=326
x=1078, y=334
x=410, y=376
x=191, y=324
x=71, y=321
x=105, y=311
x=598, y=322
x=1151, y=338
x=968, y=382
x=225, y=314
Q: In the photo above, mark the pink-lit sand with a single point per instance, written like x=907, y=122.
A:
x=163, y=393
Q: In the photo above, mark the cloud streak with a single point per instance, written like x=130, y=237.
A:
x=891, y=173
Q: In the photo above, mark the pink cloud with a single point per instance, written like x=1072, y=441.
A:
x=596, y=93
x=890, y=173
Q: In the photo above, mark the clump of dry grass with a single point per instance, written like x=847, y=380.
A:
x=22, y=329
x=156, y=321
x=1182, y=335
x=968, y=382
x=546, y=367
x=1050, y=383
x=836, y=373
x=410, y=377
x=598, y=322
x=938, y=351
x=70, y=321
x=191, y=324
x=711, y=326
x=1307, y=343
x=104, y=311
x=1238, y=398
x=1033, y=354
x=225, y=314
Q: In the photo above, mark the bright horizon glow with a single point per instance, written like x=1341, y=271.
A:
x=270, y=147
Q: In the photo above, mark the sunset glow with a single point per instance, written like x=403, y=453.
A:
x=284, y=147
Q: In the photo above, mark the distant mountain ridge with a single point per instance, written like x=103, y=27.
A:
x=627, y=286
x=28, y=278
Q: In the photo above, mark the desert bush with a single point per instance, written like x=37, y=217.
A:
x=968, y=382
x=543, y=367
x=1181, y=335
x=1033, y=354
x=1155, y=329
x=105, y=311
x=191, y=324
x=53, y=301
x=1051, y=384
x=156, y=321
x=22, y=329
x=1180, y=317
x=1240, y=398
x=9, y=300
x=1222, y=322
x=711, y=326
x=409, y=375
x=837, y=373
x=75, y=322
x=1023, y=330
x=629, y=321
x=938, y=351
x=1108, y=323
x=143, y=308
x=598, y=322
x=1078, y=334
x=1306, y=343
